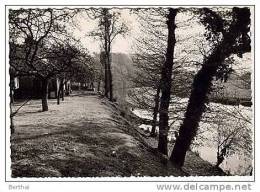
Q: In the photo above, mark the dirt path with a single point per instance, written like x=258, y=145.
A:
x=78, y=138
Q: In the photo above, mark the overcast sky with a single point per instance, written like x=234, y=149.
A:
x=84, y=25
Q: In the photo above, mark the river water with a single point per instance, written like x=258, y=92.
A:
x=219, y=122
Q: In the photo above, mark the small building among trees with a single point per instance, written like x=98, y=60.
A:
x=31, y=87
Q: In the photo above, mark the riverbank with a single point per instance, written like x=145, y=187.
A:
x=194, y=165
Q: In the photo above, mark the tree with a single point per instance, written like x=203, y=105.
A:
x=232, y=139
x=166, y=76
x=149, y=57
x=109, y=27
x=32, y=31
x=229, y=38
x=75, y=62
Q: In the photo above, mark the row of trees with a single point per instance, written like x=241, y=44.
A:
x=41, y=46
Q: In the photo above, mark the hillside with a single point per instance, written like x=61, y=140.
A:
x=236, y=89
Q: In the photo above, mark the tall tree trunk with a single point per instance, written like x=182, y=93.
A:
x=106, y=52
x=166, y=84
x=107, y=59
x=202, y=82
x=110, y=78
x=155, y=111
x=45, y=95
x=62, y=90
x=58, y=97
x=196, y=106
x=98, y=85
x=106, y=80
x=220, y=156
x=67, y=88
